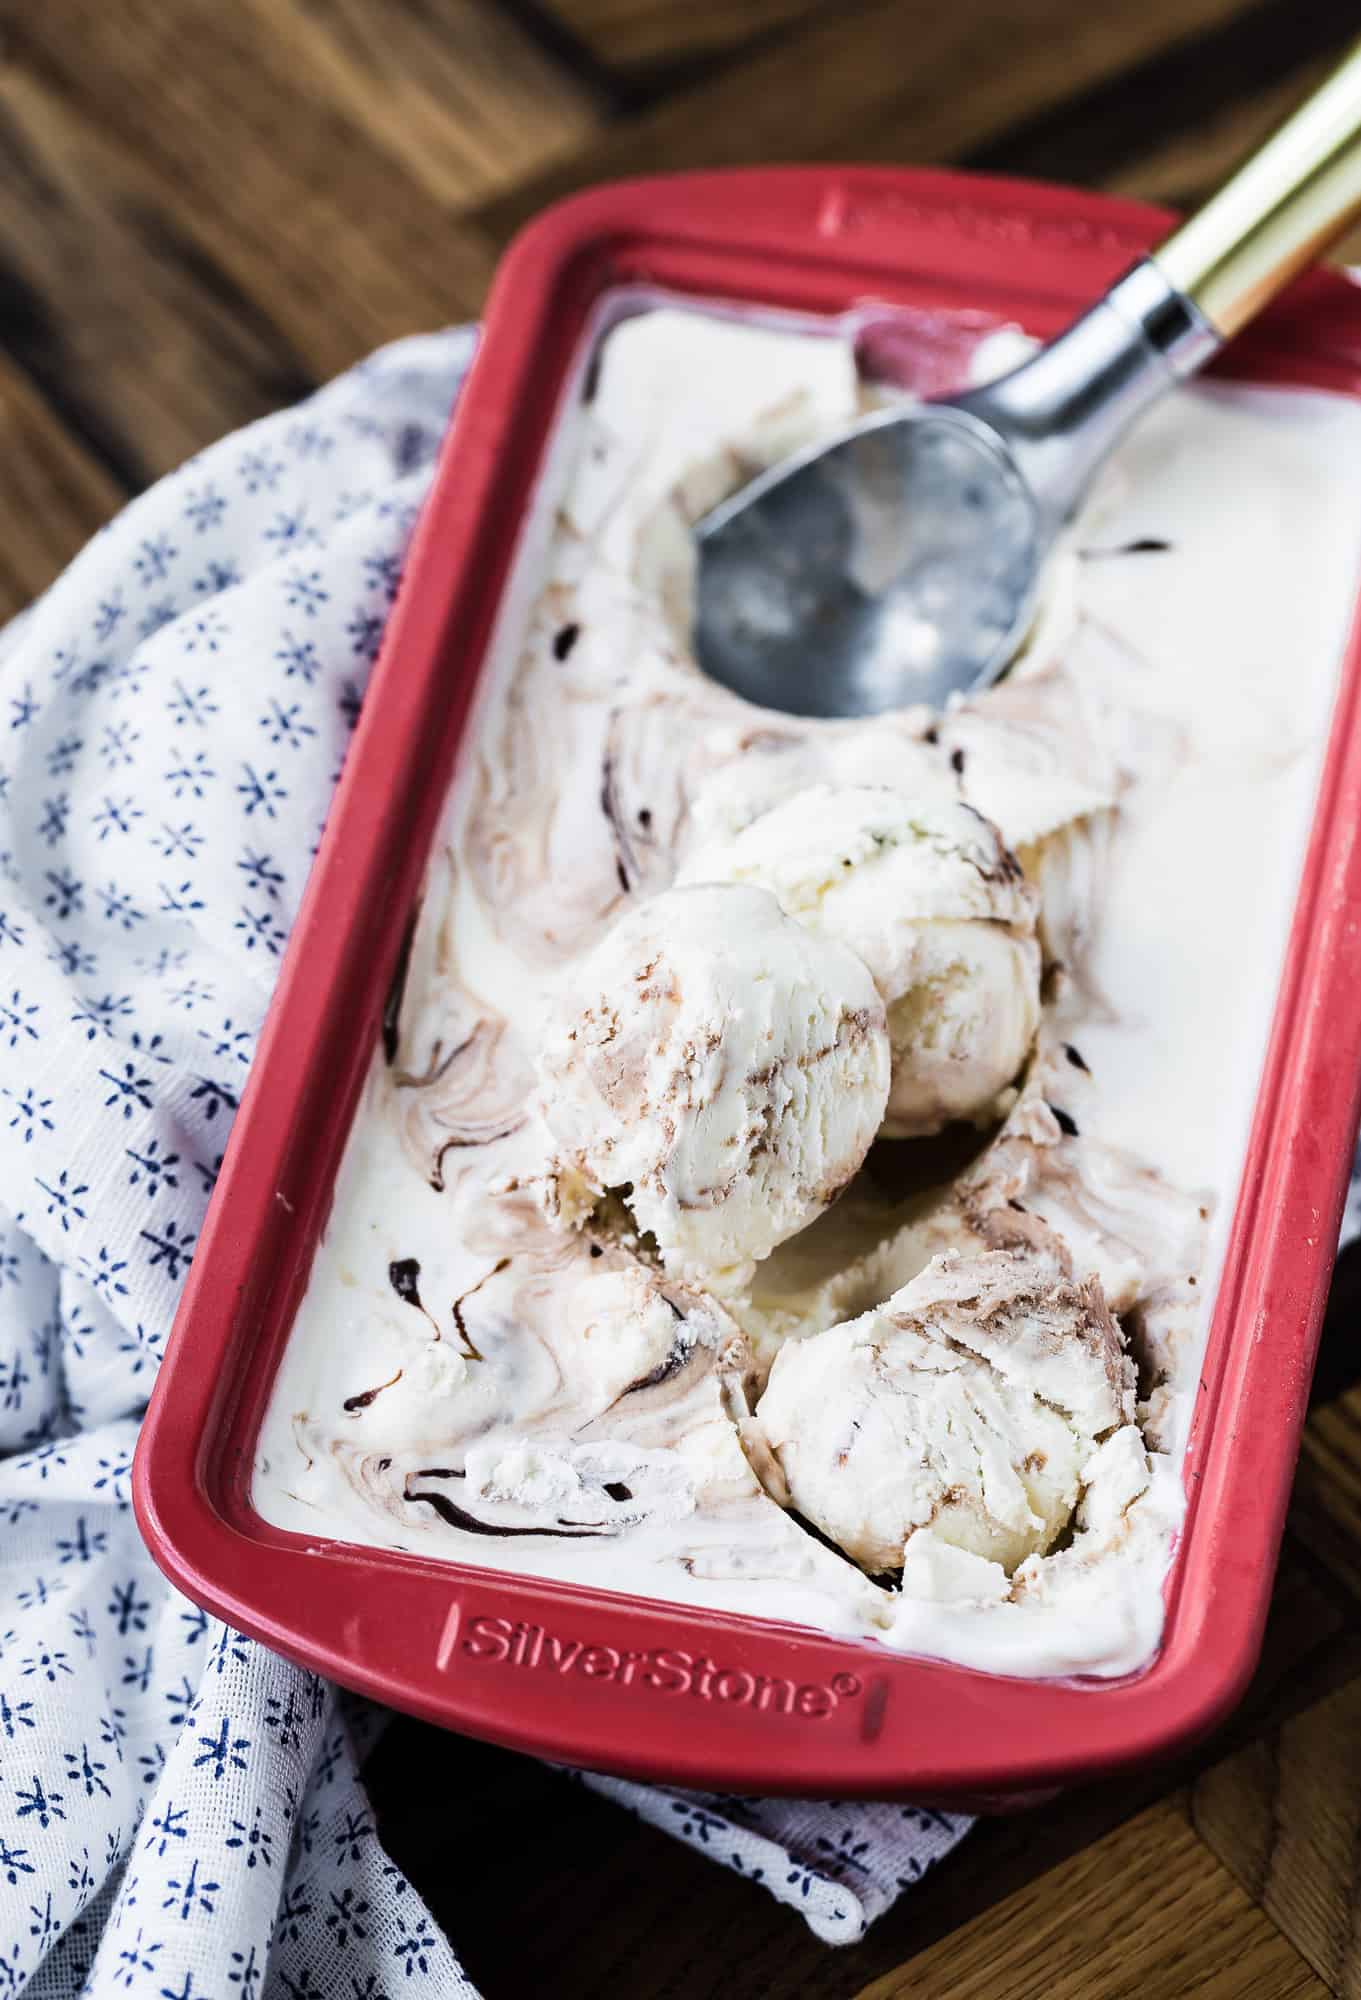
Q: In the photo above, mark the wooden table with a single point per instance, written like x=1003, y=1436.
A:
x=206, y=208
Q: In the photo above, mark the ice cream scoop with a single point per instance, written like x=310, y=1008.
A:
x=720, y=1067
x=968, y=1403
x=902, y=562
x=925, y=891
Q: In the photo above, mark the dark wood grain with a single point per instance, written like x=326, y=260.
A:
x=56, y=492
x=1209, y=97
x=892, y=82
x=659, y=37
x=458, y=93
x=1327, y=1500
x=141, y=341
x=1147, y=1909
x=1284, y=1815
x=255, y=167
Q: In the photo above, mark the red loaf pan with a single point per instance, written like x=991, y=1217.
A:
x=613, y=1682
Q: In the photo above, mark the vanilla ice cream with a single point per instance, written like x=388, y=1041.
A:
x=721, y=1068
x=584, y=1306
x=926, y=892
x=968, y=1403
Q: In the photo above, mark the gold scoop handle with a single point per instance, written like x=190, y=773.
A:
x=1283, y=207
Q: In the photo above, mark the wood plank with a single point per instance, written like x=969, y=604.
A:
x=168, y=299
x=1185, y=167
x=56, y=494
x=1326, y=1505
x=925, y=83
x=147, y=351
x=250, y=167
x=640, y=35
x=1339, y=1357
x=1284, y=1815
x=458, y=93
x=1147, y=1911
x=1189, y=95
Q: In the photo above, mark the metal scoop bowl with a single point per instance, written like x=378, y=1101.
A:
x=903, y=562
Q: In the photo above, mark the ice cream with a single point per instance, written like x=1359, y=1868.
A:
x=721, y=1067
x=547, y=1328
x=926, y=892
x=968, y=1403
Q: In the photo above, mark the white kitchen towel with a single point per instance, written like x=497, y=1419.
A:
x=181, y=1813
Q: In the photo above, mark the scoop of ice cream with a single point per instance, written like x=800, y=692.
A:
x=968, y=1403
x=747, y=769
x=720, y=1065
x=926, y=892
